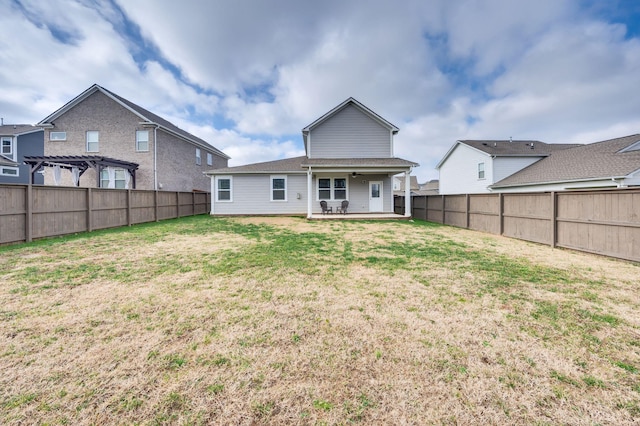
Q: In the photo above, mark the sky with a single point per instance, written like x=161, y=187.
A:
x=248, y=75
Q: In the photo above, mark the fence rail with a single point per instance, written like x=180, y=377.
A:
x=30, y=212
x=601, y=222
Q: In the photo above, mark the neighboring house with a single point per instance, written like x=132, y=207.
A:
x=399, y=185
x=471, y=166
x=430, y=188
x=18, y=141
x=613, y=163
x=349, y=156
x=115, y=143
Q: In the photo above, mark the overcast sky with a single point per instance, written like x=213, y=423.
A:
x=248, y=75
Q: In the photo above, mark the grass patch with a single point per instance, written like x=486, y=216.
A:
x=278, y=320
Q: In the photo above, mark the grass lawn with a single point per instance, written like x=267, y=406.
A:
x=283, y=321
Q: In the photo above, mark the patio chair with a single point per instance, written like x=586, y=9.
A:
x=325, y=209
x=343, y=207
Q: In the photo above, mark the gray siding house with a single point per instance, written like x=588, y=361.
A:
x=349, y=156
x=18, y=141
x=107, y=130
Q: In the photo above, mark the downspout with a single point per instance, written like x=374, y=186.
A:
x=407, y=193
x=155, y=158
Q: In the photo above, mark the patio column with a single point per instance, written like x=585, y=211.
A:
x=309, y=192
x=407, y=193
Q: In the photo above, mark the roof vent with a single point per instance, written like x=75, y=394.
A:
x=531, y=145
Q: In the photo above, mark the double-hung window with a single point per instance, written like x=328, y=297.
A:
x=224, y=186
x=480, y=170
x=7, y=147
x=198, y=157
x=332, y=188
x=278, y=188
x=142, y=140
x=209, y=159
x=92, y=141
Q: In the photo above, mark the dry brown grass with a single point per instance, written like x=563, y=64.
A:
x=145, y=326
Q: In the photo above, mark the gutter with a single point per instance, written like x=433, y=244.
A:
x=613, y=178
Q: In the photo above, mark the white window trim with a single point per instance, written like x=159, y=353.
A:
x=12, y=153
x=332, y=188
x=271, y=188
x=58, y=139
x=198, y=157
x=138, y=141
x=4, y=173
x=209, y=159
x=218, y=178
x=484, y=171
x=97, y=142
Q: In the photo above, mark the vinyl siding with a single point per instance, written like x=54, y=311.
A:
x=459, y=173
x=350, y=134
x=506, y=166
x=251, y=196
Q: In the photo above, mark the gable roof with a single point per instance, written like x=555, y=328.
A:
x=287, y=165
x=508, y=148
x=599, y=160
x=147, y=116
x=343, y=105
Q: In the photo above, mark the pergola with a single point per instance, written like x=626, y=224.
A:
x=81, y=162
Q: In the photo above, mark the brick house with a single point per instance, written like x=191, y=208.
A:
x=99, y=124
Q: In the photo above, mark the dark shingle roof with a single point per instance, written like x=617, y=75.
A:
x=517, y=148
x=298, y=164
x=597, y=160
x=278, y=166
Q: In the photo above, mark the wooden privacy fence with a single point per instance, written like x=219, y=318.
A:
x=601, y=222
x=29, y=212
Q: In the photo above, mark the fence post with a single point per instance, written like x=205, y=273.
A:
x=155, y=204
x=554, y=221
x=89, y=210
x=177, y=204
x=468, y=203
x=28, y=219
x=501, y=213
x=193, y=199
x=128, y=207
x=443, y=215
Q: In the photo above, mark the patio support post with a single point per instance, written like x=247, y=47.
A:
x=407, y=194
x=309, y=191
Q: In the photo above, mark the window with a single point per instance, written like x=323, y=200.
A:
x=119, y=179
x=57, y=136
x=209, y=159
x=9, y=171
x=92, y=141
x=142, y=140
x=7, y=147
x=223, y=188
x=198, y=157
x=480, y=170
x=339, y=189
x=332, y=189
x=278, y=188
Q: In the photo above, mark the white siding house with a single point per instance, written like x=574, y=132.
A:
x=349, y=158
x=472, y=166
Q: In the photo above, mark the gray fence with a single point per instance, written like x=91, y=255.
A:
x=602, y=222
x=30, y=212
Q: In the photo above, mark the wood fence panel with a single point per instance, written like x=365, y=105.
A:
x=167, y=208
x=185, y=204
x=142, y=206
x=201, y=203
x=606, y=223
x=455, y=212
x=58, y=211
x=419, y=207
x=108, y=208
x=435, y=206
x=484, y=212
x=528, y=217
x=13, y=213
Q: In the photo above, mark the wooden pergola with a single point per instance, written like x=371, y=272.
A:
x=82, y=163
